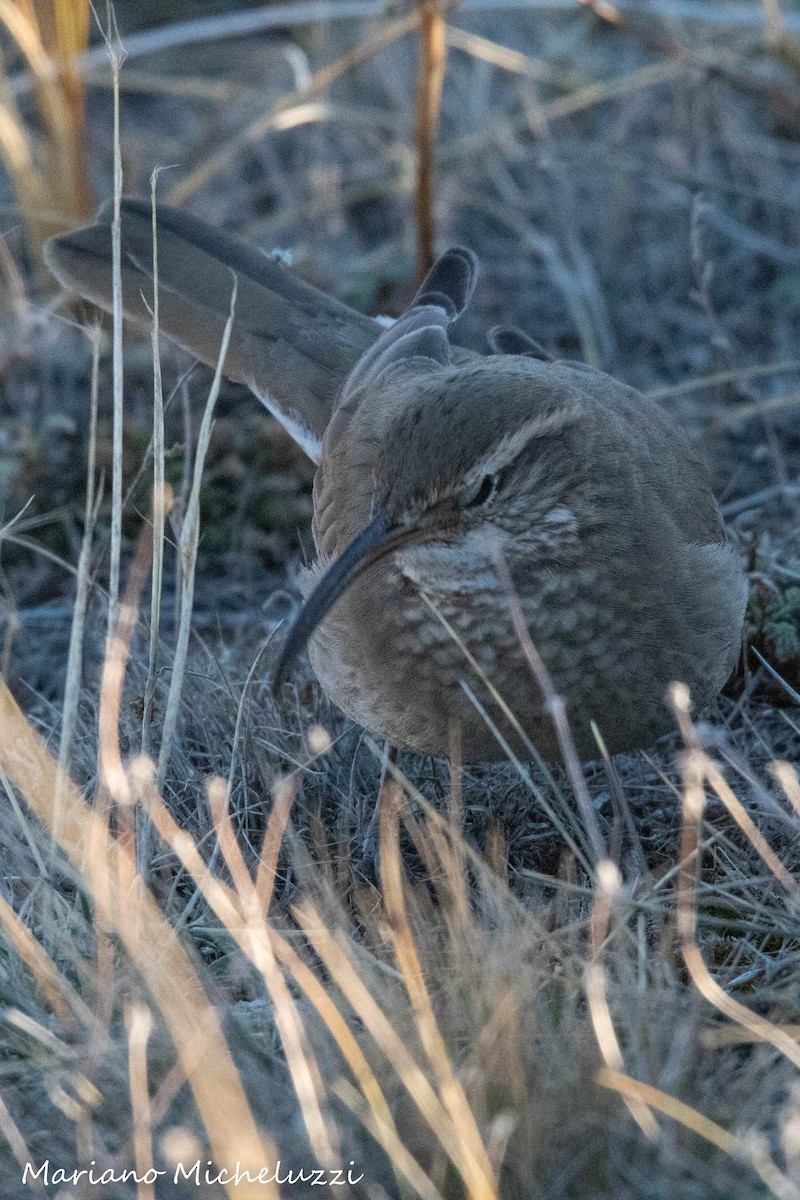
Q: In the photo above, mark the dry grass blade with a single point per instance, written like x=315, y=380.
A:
x=381, y=1030
x=438, y=824
x=556, y=819
x=652, y=75
x=16, y=1143
x=112, y=772
x=735, y=375
x=475, y=1167
x=773, y=21
x=377, y=1116
x=240, y=722
x=684, y=1114
x=17, y=154
x=563, y=275
x=760, y=408
x=791, y=692
x=406, y=1168
x=162, y=500
x=187, y=552
x=139, y=1025
x=786, y=775
x=751, y=1151
x=710, y=773
x=239, y=912
x=116, y=57
x=60, y=186
x=54, y=986
x=255, y=941
x=724, y=791
x=149, y=940
x=607, y=887
x=284, y=794
x=64, y=31
x=501, y=56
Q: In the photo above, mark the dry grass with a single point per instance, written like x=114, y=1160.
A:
x=574, y=983
x=47, y=168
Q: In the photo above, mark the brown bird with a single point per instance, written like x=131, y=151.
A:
x=435, y=463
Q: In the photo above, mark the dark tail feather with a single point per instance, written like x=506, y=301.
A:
x=292, y=344
x=450, y=282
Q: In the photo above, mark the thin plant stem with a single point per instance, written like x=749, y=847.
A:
x=430, y=78
x=159, y=496
x=116, y=56
x=187, y=552
x=72, y=685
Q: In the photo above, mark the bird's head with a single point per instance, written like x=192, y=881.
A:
x=479, y=459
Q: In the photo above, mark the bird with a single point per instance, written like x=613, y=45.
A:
x=448, y=484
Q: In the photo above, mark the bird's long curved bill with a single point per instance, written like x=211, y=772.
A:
x=372, y=543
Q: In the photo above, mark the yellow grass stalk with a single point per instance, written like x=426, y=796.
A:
x=116, y=56
x=16, y=1142
x=239, y=911
x=17, y=154
x=337, y=962
x=139, y=1025
x=786, y=776
x=474, y=1163
x=684, y=1114
x=153, y=947
x=49, y=34
x=750, y=1150
x=607, y=887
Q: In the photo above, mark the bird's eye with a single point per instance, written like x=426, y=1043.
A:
x=486, y=489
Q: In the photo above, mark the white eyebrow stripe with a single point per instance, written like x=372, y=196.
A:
x=511, y=446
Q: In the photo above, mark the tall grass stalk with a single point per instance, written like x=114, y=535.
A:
x=116, y=56
x=160, y=498
x=187, y=552
x=72, y=685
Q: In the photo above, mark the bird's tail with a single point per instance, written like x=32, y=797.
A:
x=291, y=343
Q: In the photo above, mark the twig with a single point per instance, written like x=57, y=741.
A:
x=734, y=376
x=430, y=78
